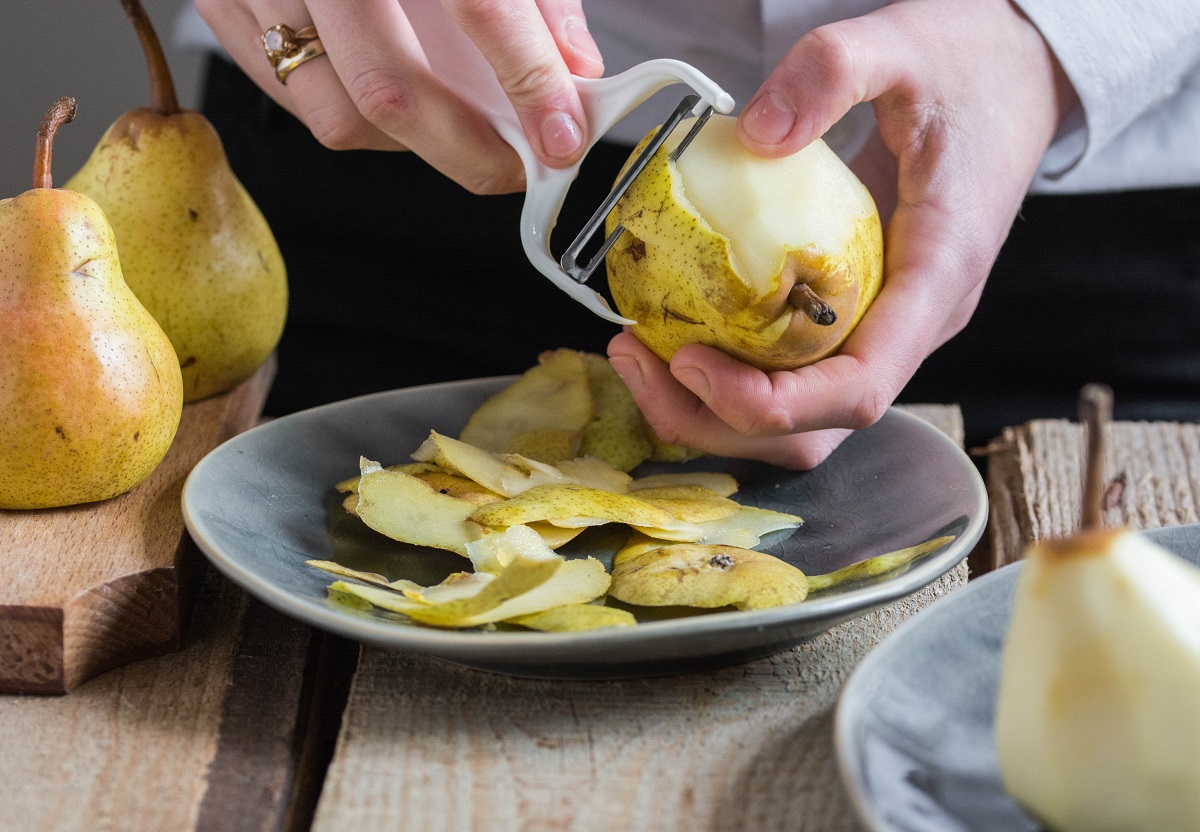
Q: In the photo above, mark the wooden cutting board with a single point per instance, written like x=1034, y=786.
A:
x=86, y=588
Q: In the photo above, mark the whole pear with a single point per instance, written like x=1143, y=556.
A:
x=773, y=261
x=194, y=247
x=90, y=388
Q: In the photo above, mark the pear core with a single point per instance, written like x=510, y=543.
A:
x=716, y=241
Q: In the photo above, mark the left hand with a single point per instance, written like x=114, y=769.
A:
x=967, y=97
x=374, y=87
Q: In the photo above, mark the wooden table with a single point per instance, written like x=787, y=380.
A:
x=260, y=723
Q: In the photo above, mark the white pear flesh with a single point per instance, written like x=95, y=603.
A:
x=716, y=241
x=768, y=207
x=1098, y=724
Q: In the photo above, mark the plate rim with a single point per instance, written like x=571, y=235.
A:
x=451, y=642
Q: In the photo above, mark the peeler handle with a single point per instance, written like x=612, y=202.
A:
x=454, y=58
x=605, y=102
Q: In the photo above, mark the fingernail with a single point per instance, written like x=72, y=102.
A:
x=581, y=40
x=769, y=119
x=561, y=136
x=695, y=380
x=629, y=371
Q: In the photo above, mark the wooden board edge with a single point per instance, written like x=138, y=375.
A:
x=30, y=632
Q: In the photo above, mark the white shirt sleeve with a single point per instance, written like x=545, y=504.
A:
x=1125, y=59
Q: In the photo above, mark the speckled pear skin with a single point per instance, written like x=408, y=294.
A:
x=194, y=247
x=90, y=388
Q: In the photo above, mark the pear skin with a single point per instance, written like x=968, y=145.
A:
x=194, y=247
x=681, y=279
x=90, y=388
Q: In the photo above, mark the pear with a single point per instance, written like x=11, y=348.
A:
x=90, y=389
x=194, y=247
x=1097, y=725
x=773, y=261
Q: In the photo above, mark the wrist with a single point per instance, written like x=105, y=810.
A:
x=1063, y=99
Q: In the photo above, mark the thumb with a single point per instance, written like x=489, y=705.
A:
x=825, y=73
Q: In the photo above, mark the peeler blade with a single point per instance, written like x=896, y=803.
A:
x=690, y=105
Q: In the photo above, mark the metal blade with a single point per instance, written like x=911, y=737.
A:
x=569, y=260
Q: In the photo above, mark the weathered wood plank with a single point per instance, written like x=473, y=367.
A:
x=427, y=745
x=129, y=749
x=1035, y=476
x=224, y=734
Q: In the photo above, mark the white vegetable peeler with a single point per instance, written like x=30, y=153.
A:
x=454, y=58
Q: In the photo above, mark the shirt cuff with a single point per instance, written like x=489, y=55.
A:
x=1124, y=59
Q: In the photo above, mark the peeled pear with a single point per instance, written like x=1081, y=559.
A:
x=1097, y=725
x=773, y=261
x=194, y=247
x=90, y=389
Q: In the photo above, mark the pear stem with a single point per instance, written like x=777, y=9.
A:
x=162, y=87
x=60, y=112
x=807, y=301
x=1095, y=411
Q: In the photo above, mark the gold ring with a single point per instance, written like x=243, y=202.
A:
x=281, y=40
x=287, y=64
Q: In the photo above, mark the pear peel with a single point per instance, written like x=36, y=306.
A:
x=542, y=414
x=407, y=509
x=700, y=575
x=570, y=406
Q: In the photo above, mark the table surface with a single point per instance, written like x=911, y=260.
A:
x=261, y=723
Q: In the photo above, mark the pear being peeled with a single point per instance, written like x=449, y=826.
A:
x=716, y=242
x=1098, y=722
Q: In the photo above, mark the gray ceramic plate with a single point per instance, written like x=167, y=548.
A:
x=914, y=725
x=263, y=503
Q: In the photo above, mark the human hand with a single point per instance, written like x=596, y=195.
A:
x=374, y=89
x=967, y=97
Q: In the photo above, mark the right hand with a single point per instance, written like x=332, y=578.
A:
x=373, y=88
x=967, y=98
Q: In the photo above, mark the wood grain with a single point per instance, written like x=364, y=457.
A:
x=129, y=749
x=86, y=588
x=427, y=745
x=1035, y=480
x=286, y=688
x=219, y=735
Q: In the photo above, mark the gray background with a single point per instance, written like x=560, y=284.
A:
x=86, y=49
